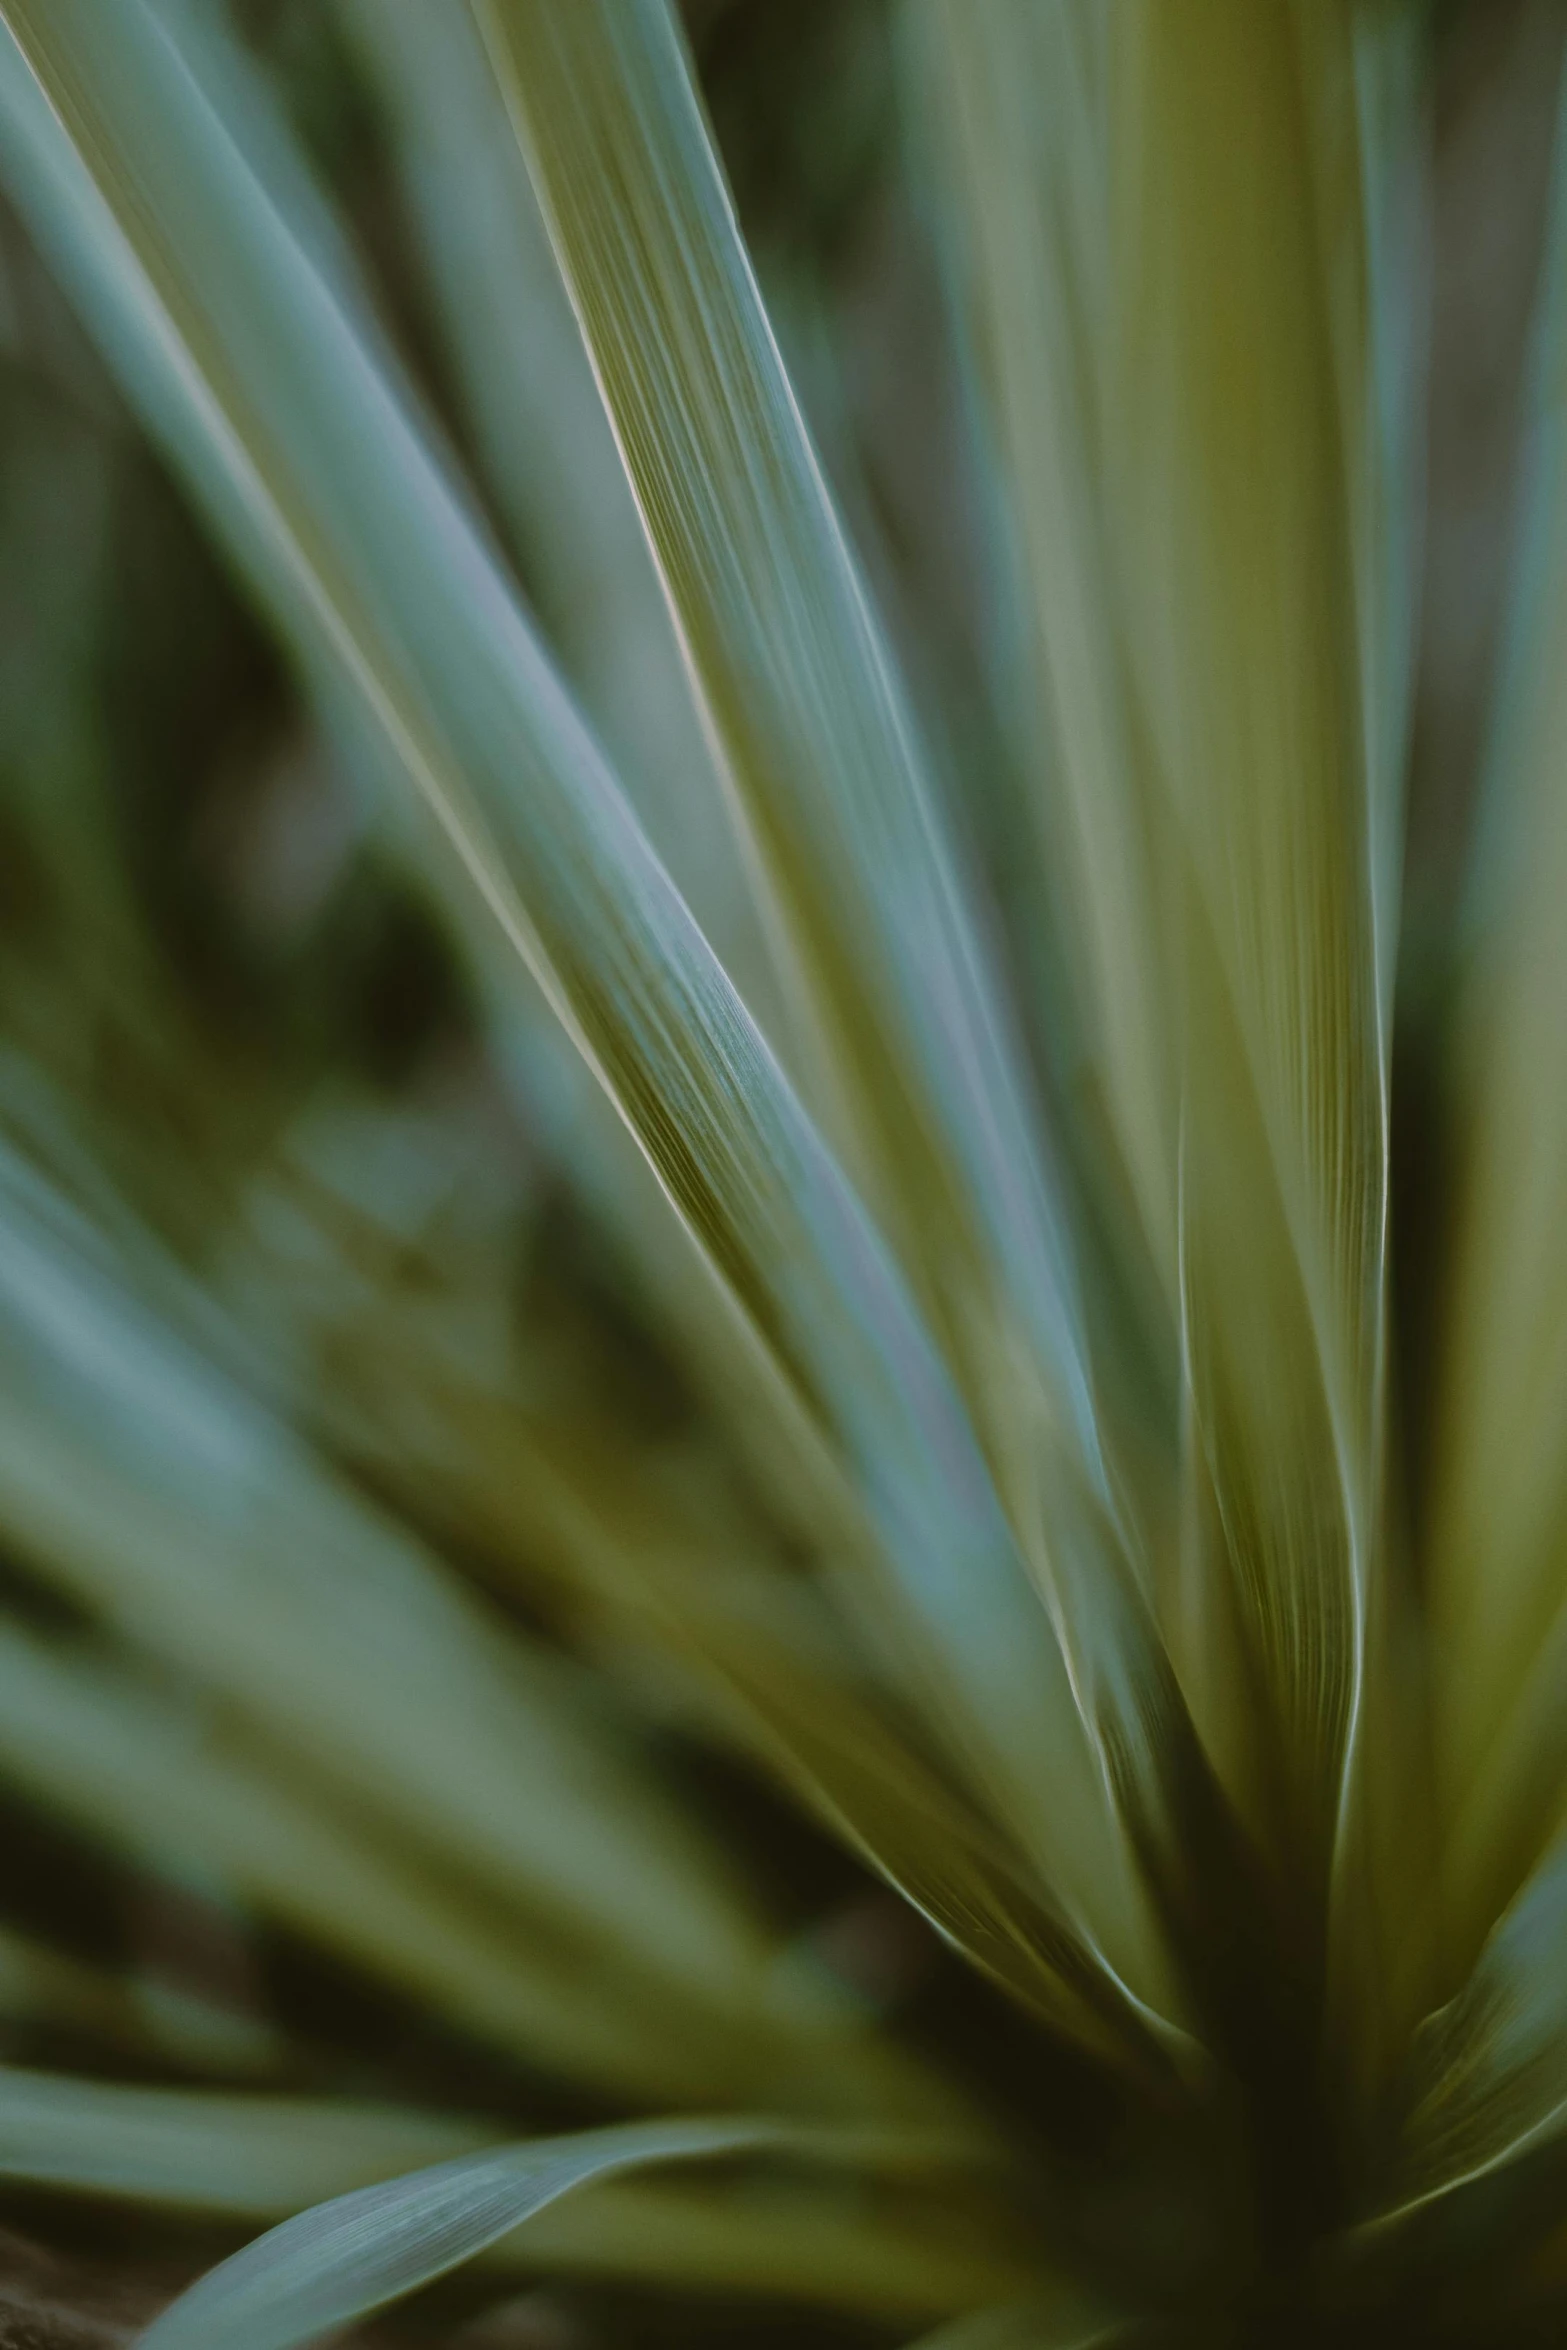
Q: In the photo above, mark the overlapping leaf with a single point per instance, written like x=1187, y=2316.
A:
x=917, y=1066
x=352, y=2255
x=658, y=1545
x=153, y=1774
x=191, y=1520
x=547, y=450
x=1237, y=561
x=1173, y=220
x=263, y=382
x=1498, y=1510
x=268, y=2158
x=1021, y=100
x=1492, y=2065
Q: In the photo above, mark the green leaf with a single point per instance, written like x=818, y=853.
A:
x=1021, y=102
x=265, y=387
x=1179, y=226
x=271, y=2157
x=201, y=2151
x=41, y=1984
x=1497, y=1508
x=345, y=2258
x=1490, y=2068
x=917, y=1067
x=1237, y=556
x=785, y=651
x=159, y=1778
x=144, y=1481
x=547, y=453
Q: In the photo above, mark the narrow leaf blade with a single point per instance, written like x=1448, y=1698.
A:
x=345, y=2258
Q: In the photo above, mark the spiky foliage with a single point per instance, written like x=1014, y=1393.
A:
x=698, y=1464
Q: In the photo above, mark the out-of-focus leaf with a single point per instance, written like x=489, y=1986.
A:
x=797, y=1708
x=193, y=1520
x=268, y=2158
x=133, y=182
x=1362, y=68
x=252, y=2157
x=786, y=653
x=549, y=459
x=1498, y=1507
x=1225, y=419
x=922, y=1074
x=331, y=2265
x=1029, y=2326
x=41, y=1984
x=567, y=1505
x=331, y=1633
x=1491, y=2066
x=162, y=1777
x=654, y=1539
x=814, y=2247
x=1022, y=100
x=546, y=449
x=1203, y=401
x=1034, y=134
